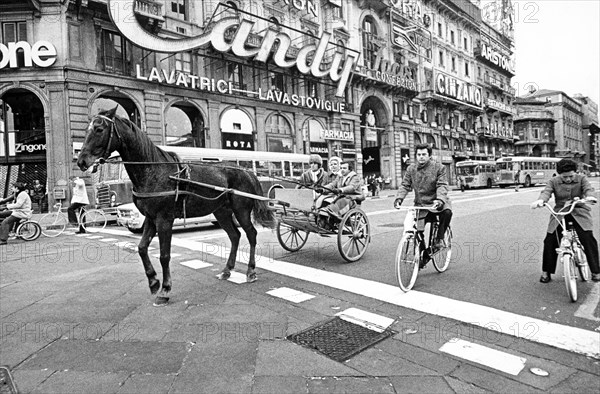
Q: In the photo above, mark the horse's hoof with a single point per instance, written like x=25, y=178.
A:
x=161, y=301
x=224, y=275
x=251, y=278
x=154, y=286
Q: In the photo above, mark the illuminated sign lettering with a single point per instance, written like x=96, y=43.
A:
x=308, y=5
x=20, y=147
x=459, y=90
x=496, y=58
x=337, y=135
x=310, y=58
x=42, y=54
x=412, y=10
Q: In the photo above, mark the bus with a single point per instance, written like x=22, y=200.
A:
x=476, y=173
x=533, y=170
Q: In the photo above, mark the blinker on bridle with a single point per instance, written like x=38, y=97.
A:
x=113, y=129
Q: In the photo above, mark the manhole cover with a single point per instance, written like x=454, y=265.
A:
x=339, y=339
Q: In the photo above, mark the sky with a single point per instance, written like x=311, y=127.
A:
x=557, y=46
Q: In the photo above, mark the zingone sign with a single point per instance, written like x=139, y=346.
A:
x=496, y=58
x=309, y=59
x=465, y=92
x=42, y=54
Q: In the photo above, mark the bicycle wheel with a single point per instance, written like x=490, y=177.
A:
x=570, y=275
x=29, y=231
x=407, y=262
x=53, y=224
x=93, y=220
x=441, y=259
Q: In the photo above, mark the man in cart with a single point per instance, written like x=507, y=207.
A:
x=341, y=192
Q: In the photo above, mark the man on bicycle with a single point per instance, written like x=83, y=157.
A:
x=566, y=186
x=20, y=209
x=79, y=200
x=428, y=179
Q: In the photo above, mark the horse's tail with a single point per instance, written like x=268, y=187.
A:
x=262, y=214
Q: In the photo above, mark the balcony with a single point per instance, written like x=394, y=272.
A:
x=149, y=14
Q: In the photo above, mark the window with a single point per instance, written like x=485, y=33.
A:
x=452, y=37
x=536, y=133
x=453, y=64
x=183, y=61
x=465, y=43
x=115, y=56
x=396, y=109
x=178, y=8
x=440, y=29
x=441, y=58
x=15, y=32
x=466, y=69
x=234, y=75
x=369, y=39
x=338, y=12
x=279, y=138
x=277, y=81
x=311, y=87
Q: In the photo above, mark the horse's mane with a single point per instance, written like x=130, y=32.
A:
x=144, y=144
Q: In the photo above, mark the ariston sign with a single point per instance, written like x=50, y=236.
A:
x=309, y=60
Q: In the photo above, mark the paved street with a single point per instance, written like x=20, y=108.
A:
x=77, y=315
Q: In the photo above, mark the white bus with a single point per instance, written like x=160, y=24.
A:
x=532, y=170
x=114, y=186
x=476, y=173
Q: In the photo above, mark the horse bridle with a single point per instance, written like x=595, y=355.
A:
x=113, y=129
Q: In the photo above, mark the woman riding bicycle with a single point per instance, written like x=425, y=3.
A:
x=20, y=209
x=566, y=186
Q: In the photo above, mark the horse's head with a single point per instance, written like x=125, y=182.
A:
x=101, y=139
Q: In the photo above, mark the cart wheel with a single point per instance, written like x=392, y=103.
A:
x=354, y=235
x=290, y=238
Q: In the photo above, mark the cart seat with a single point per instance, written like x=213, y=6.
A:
x=301, y=199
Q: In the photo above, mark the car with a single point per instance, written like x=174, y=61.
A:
x=129, y=216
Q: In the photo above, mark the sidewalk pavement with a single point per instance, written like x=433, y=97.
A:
x=77, y=317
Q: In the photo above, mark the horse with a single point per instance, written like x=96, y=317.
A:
x=161, y=197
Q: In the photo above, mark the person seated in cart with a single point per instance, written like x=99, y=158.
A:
x=315, y=176
x=340, y=193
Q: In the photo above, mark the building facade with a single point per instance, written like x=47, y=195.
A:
x=363, y=79
x=591, y=131
x=534, y=127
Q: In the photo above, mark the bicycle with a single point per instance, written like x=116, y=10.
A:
x=54, y=223
x=414, y=249
x=570, y=251
x=26, y=229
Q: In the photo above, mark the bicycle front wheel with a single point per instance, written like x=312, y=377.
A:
x=29, y=231
x=407, y=262
x=582, y=265
x=570, y=275
x=93, y=220
x=441, y=259
x=53, y=224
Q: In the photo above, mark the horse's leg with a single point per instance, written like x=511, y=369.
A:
x=243, y=217
x=164, y=227
x=225, y=219
x=147, y=235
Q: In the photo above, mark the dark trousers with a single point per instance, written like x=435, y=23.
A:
x=444, y=217
x=74, y=210
x=552, y=241
x=8, y=221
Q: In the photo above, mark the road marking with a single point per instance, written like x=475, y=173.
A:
x=366, y=319
x=173, y=255
x=196, y=264
x=565, y=337
x=484, y=355
x=109, y=240
x=588, y=308
x=291, y=295
x=237, y=277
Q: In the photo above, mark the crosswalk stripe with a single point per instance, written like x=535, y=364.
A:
x=196, y=264
x=484, y=355
x=291, y=295
x=366, y=319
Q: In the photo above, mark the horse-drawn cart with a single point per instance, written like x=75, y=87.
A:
x=299, y=217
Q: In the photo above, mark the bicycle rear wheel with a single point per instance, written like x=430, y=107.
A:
x=53, y=224
x=570, y=276
x=407, y=262
x=441, y=259
x=29, y=231
x=93, y=220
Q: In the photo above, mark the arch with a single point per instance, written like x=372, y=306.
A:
x=133, y=113
x=417, y=139
x=184, y=124
x=280, y=133
x=536, y=151
x=238, y=129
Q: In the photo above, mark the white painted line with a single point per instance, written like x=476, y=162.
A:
x=291, y=295
x=483, y=355
x=126, y=245
x=588, y=308
x=237, y=277
x=173, y=255
x=109, y=240
x=366, y=319
x=95, y=237
x=561, y=336
x=196, y=264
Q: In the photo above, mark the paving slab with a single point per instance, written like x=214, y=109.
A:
x=376, y=362
x=491, y=381
x=350, y=385
x=280, y=385
x=67, y=382
x=421, y=384
x=147, y=384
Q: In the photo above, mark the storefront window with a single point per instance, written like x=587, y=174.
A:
x=279, y=134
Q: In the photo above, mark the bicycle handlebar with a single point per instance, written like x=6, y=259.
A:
x=430, y=209
x=571, y=205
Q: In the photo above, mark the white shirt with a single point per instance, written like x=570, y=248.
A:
x=79, y=193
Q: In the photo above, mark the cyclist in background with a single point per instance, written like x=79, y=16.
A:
x=428, y=179
x=20, y=209
x=78, y=201
x=566, y=186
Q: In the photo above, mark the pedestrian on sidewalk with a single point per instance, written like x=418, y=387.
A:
x=79, y=200
x=20, y=209
x=517, y=178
